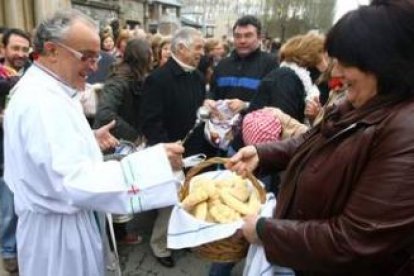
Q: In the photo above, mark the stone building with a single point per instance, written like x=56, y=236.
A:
x=151, y=15
x=26, y=14
x=163, y=16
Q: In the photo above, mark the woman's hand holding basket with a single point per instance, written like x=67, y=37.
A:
x=244, y=161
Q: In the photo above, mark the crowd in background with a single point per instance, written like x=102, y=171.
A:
x=258, y=91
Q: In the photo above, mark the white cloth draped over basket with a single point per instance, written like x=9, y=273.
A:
x=256, y=263
x=185, y=231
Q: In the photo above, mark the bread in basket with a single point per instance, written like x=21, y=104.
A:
x=220, y=204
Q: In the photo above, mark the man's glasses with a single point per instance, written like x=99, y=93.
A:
x=81, y=56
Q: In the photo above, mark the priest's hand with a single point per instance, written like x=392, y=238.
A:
x=249, y=229
x=175, y=155
x=245, y=160
x=104, y=137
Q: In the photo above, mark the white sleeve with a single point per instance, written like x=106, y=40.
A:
x=65, y=161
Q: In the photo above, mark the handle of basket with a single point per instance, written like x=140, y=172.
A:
x=214, y=161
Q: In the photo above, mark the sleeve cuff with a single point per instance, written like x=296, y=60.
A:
x=260, y=228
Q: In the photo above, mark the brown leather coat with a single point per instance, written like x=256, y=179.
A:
x=346, y=205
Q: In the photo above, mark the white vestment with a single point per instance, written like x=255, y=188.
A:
x=54, y=166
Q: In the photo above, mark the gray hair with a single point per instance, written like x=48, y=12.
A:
x=184, y=36
x=56, y=27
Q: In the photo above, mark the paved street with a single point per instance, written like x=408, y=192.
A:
x=137, y=260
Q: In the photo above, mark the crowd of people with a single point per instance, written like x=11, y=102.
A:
x=322, y=119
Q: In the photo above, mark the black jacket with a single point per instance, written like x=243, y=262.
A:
x=239, y=78
x=121, y=100
x=169, y=106
x=283, y=89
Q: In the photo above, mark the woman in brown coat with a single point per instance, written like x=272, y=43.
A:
x=346, y=205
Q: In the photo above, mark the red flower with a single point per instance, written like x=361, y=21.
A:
x=35, y=55
x=335, y=83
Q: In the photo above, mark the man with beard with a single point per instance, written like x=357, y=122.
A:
x=16, y=44
x=16, y=54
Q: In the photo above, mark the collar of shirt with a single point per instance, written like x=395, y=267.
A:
x=72, y=92
x=186, y=67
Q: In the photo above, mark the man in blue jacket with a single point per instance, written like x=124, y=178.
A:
x=238, y=76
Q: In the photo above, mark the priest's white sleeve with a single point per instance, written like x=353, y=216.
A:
x=141, y=181
x=55, y=164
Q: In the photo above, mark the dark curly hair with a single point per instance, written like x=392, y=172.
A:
x=249, y=20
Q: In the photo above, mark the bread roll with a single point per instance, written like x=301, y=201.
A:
x=223, y=214
x=200, y=211
x=195, y=197
x=234, y=203
x=240, y=189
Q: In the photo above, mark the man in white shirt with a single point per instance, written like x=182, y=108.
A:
x=54, y=166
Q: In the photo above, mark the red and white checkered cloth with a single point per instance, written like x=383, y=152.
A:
x=261, y=126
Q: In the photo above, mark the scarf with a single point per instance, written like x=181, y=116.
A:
x=311, y=90
x=186, y=67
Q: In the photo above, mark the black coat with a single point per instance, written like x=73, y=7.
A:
x=121, y=100
x=283, y=89
x=238, y=77
x=169, y=106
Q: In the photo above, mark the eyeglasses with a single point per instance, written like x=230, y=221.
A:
x=81, y=56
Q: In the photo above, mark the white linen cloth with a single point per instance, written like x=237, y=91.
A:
x=186, y=231
x=56, y=171
x=219, y=131
x=256, y=262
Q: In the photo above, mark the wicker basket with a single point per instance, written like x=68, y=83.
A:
x=231, y=249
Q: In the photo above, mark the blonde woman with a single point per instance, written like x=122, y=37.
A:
x=164, y=51
x=214, y=49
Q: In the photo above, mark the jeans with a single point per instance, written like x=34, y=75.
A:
x=221, y=269
x=8, y=222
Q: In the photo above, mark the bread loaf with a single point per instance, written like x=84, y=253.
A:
x=223, y=214
x=221, y=200
x=200, y=211
x=233, y=202
x=195, y=197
